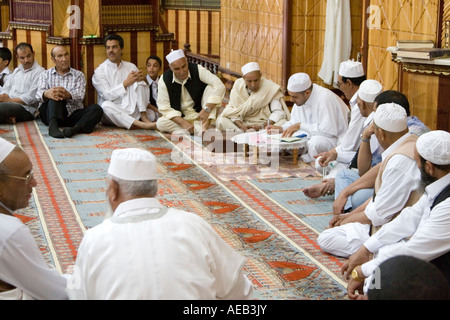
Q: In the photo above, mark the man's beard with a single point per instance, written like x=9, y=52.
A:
x=425, y=180
x=109, y=211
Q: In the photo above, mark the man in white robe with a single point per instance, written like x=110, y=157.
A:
x=122, y=93
x=255, y=103
x=317, y=111
x=148, y=251
x=24, y=273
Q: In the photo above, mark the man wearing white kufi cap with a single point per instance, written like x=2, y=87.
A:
x=187, y=93
x=396, y=186
x=147, y=251
x=24, y=273
x=422, y=230
x=318, y=112
x=122, y=93
x=255, y=103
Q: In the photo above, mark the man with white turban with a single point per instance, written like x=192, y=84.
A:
x=24, y=273
x=148, y=251
x=396, y=186
x=318, y=112
x=187, y=93
x=255, y=103
x=422, y=230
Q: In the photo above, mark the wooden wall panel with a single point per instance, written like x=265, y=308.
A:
x=60, y=18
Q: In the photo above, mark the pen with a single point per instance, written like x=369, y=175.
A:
x=301, y=136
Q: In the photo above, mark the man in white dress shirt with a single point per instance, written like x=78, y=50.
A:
x=24, y=273
x=422, y=230
x=396, y=186
x=148, y=251
x=5, y=60
x=18, y=102
x=317, y=111
x=122, y=93
x=154, y=66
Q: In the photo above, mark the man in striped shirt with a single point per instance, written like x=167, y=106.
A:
x=61, y=92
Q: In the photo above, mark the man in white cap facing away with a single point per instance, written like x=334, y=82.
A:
x=421, y=230
x=318, y=112
x=255, y=103
x=396, y=186
x=24, y=273
x=340, y=158
x=148, y=251
x=187, y=93
x=122, y=93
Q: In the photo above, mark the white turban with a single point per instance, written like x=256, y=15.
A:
x=175, y=55
x=299, y=82
x=351, y=69
x=5, y=149
x=133, y=164
x=369, y=90
x=391, y=117
x=434, y=146
x=250, y=67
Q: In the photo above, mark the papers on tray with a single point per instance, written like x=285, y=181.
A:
x=288, y=139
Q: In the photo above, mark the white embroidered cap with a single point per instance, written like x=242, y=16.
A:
x=133, y=164
x=175, y=55
x=250, y=67
x=369, y=90
x=391, y=117
x=6, y=148
x=351, y=69
x=299, y=82
x=434, y=146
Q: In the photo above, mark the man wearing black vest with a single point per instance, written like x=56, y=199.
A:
x=187, y=93
x=421, y=231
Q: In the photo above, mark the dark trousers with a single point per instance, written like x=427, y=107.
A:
x=10, y=110
x=86, y=119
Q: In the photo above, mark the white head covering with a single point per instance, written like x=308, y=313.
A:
x=5, y=149
x=299, y=82
x=434, y=146
x=369, y=90
x=133, y=164
x=250, y=67
x=351, y=69
x=391, y=117
x=175, y=55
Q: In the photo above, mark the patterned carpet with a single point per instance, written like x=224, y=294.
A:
x=261, y=213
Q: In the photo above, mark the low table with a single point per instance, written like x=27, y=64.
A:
x=261, y=139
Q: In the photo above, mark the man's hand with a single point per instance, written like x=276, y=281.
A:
x=274, y=129
x=187, y=126
x=291, y=130
x=4, y=98
x=57, y=94
x=326, y=157
x=358, y=258
x=133, y=77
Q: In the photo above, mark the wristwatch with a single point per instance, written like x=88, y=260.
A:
x=207, y=109
x=355, y=276
x=364, y=140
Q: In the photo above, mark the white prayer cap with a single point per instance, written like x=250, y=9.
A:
x=351, y=69
x=299, y=82
x=391, y=117
x=250, y=67
x=5, y=149
x=434, y=146
x=133, y=164
x=369, y=90
x=175, y=55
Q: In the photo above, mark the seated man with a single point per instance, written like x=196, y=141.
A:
x=340, y=157
x=317, y=111
x=122, y=93
x=396, y=186
x=61, y=92
x=18, y=101
x=154, y=65
x=147, y=251
x=255, y=103
x=187, y=93
x=5, y=60
x=421, y=230
x=24, y=273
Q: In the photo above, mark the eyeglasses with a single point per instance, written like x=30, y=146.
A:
x=27, y=179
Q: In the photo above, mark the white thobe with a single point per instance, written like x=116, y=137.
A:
x=121, y=106
x=146, y=251
x=324, y=117
x=22, y=265
x=417, y=231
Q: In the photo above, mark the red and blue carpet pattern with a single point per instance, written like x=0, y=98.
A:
x=264, y=217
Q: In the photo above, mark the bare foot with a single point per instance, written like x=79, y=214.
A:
x=326, y=187
x=145, y=125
